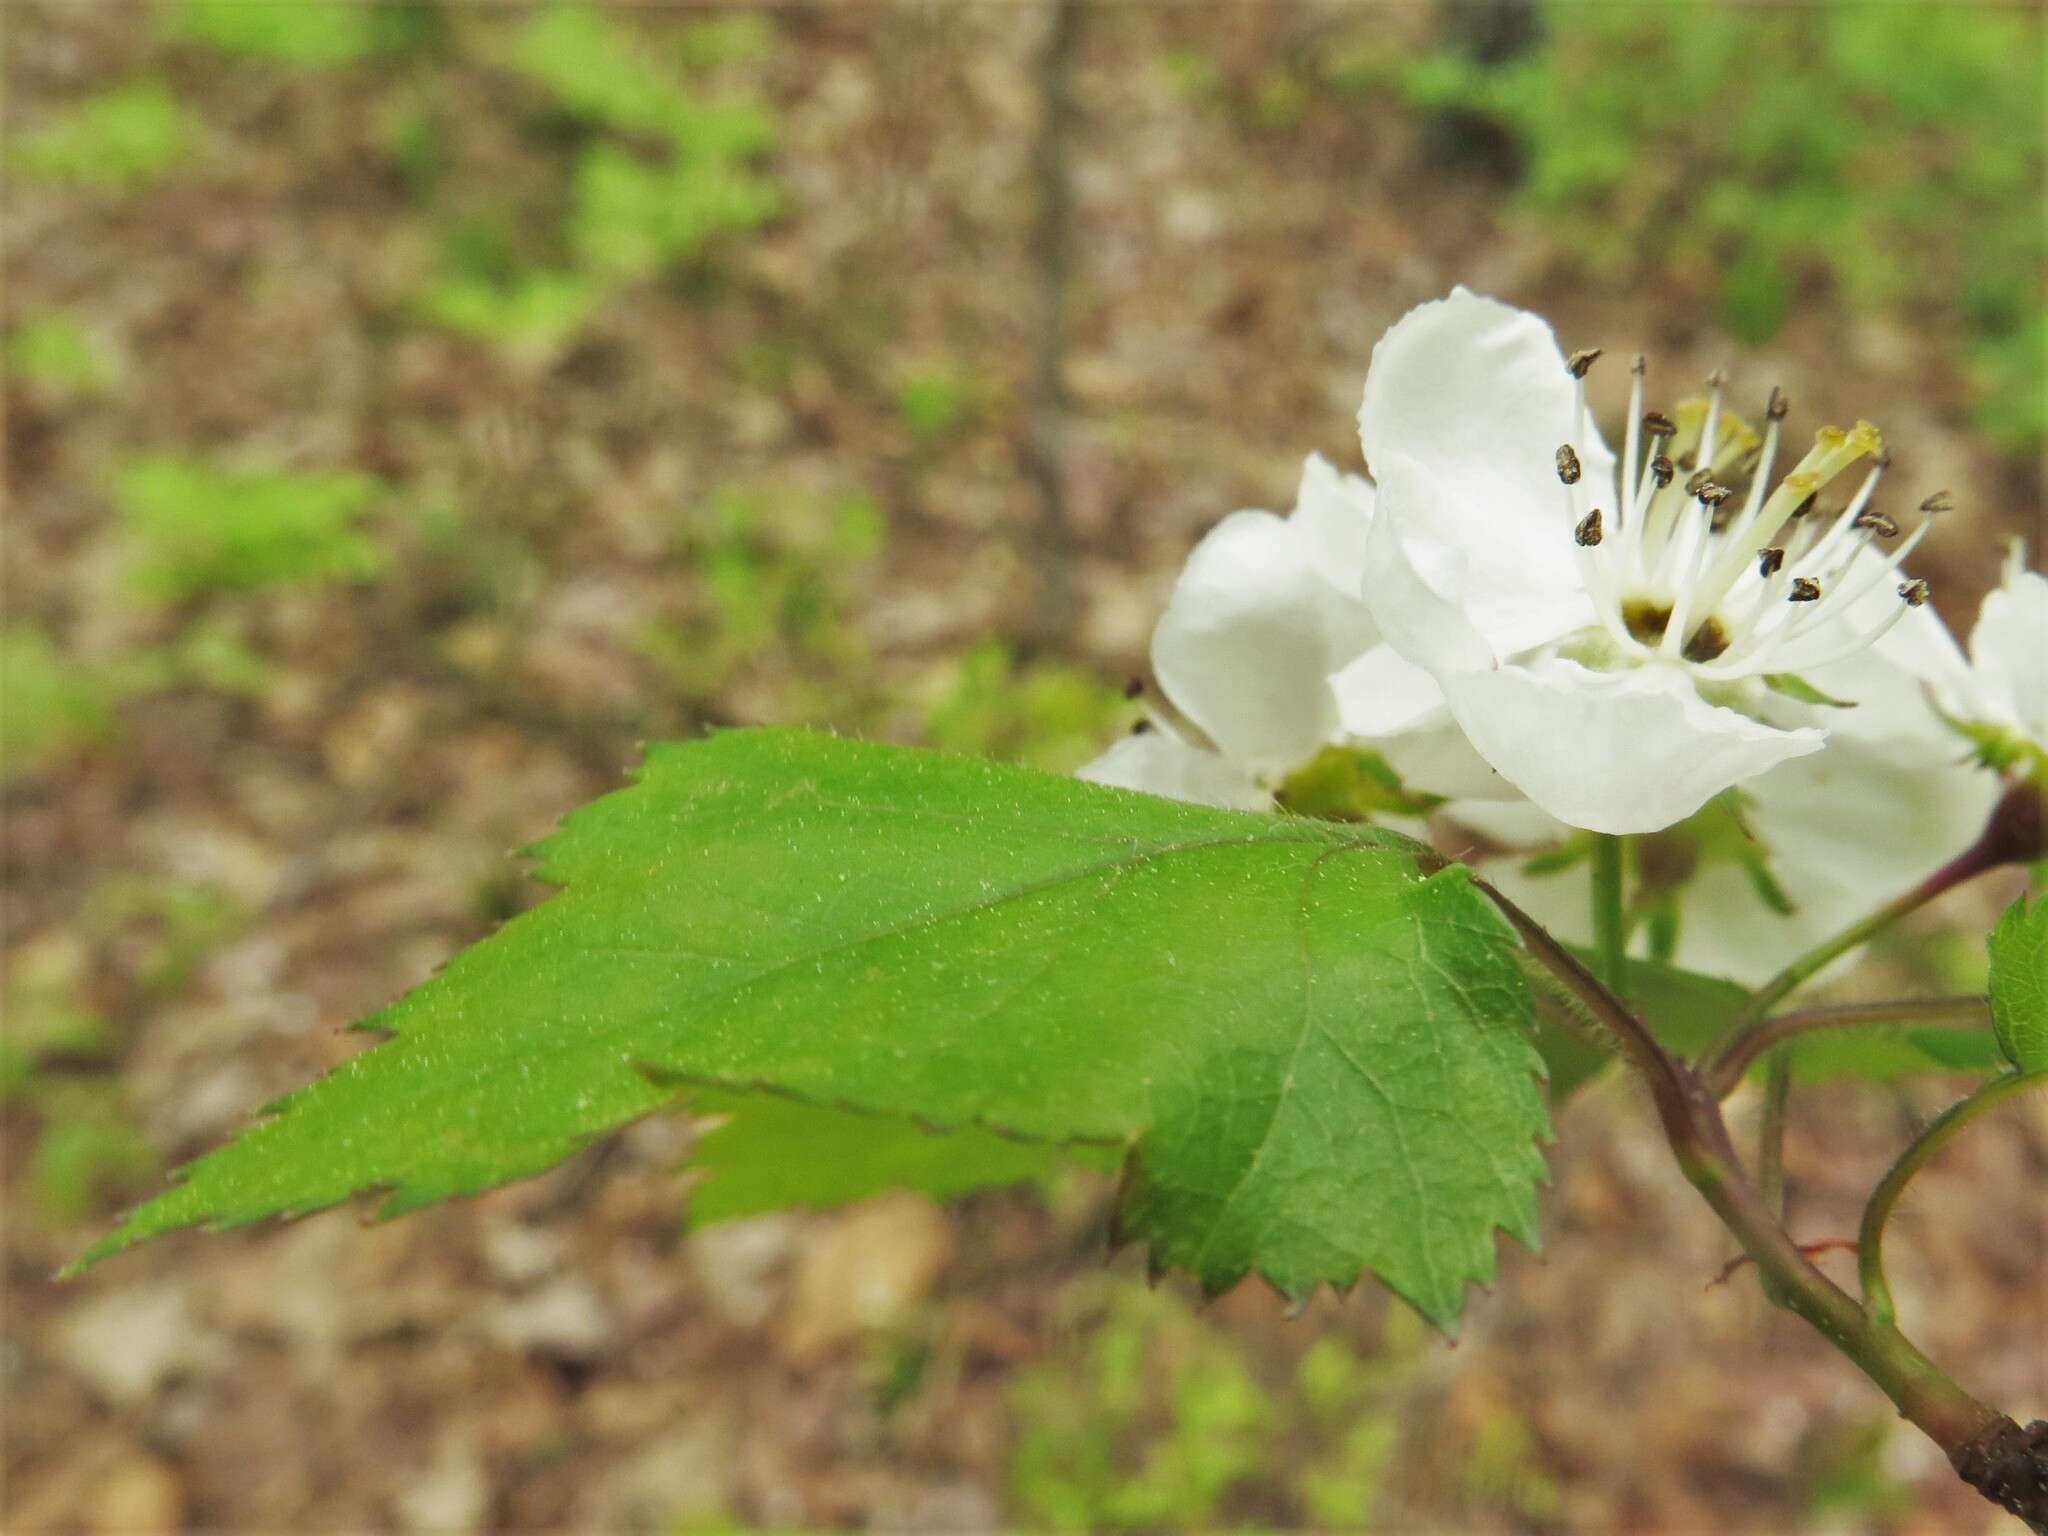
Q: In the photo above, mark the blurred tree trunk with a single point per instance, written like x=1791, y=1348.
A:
x=1490, y=33
x=1045, y=452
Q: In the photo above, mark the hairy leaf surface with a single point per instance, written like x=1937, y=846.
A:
x=1316, y=1055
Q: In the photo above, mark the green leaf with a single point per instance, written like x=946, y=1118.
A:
x=1349, y=784
x=769, y=1151
x=1883, y=1052
x=1314, y=1052
x=2019, y=984
x=1793, y=686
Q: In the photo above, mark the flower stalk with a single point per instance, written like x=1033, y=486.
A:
x=1728, y=1069
x=2014, y=834
x=1877, y=1292
x=2004, y=1462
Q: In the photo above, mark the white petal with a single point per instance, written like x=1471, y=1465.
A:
x=1511, y=823
x=2009, y=649
x=1160, y=765
x=1413, y=581
x=1444, y=762
x=1383, y=693
x=1332, y=512
x=1846, y=829
x=1477, y=393
x=1243, y=647
x=1617, y=752
x=1450, y=595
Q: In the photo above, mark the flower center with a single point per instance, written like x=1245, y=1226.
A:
x=1705, y=561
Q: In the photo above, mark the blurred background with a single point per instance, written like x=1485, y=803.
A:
x=413, y=407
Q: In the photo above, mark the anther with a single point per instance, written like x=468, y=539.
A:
x=1806, y=506
x=1770, y=561
x=1580, y=361
x=1588, y=531
x=1639, y=367
x=1717, y=378
x=1568, y=464
x=1710, y=494
x=1140, y=727
x=1940, y=501
x=1698, y=481
x=1914, y=592
x=1661, y=470
x=1134, y=688
x=1657, y=424
x=1804, y=590
x=1778, y=406
x=1877, y=522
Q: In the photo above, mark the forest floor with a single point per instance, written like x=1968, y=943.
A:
x=802, y=484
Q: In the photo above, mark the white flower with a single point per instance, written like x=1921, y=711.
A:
x=2000, y=701
x=1605, y=645
x=1266, y=609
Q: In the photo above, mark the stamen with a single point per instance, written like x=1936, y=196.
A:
x=1915, y=592
x=1579, y=362
x=1727, y=592
x=1631, y=505
x=1134, y=688
x=1709, y=440
x=1940, y=501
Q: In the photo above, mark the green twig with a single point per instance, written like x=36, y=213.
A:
x=1877, y=1294
x=2005, y=1463
x=1724, y=1074
x=2013, y=834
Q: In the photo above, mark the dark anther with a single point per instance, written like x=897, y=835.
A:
x=1567, y=465
x=1140, y=727
x=1915, y=593
x=1661, y=471
x=1657, y=424
x=1588, y=531
x=1940, y=501
x=1697, y=481
x=1639, y=367
x=1804, y=590
x=1877, y=522
x=1712, y=495
x=1134, y=687
x=1806, y=506
x=1770, y=562
x=1778, y=406
x=1580, y=361
x=1883, y=459
x=1717, y=378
